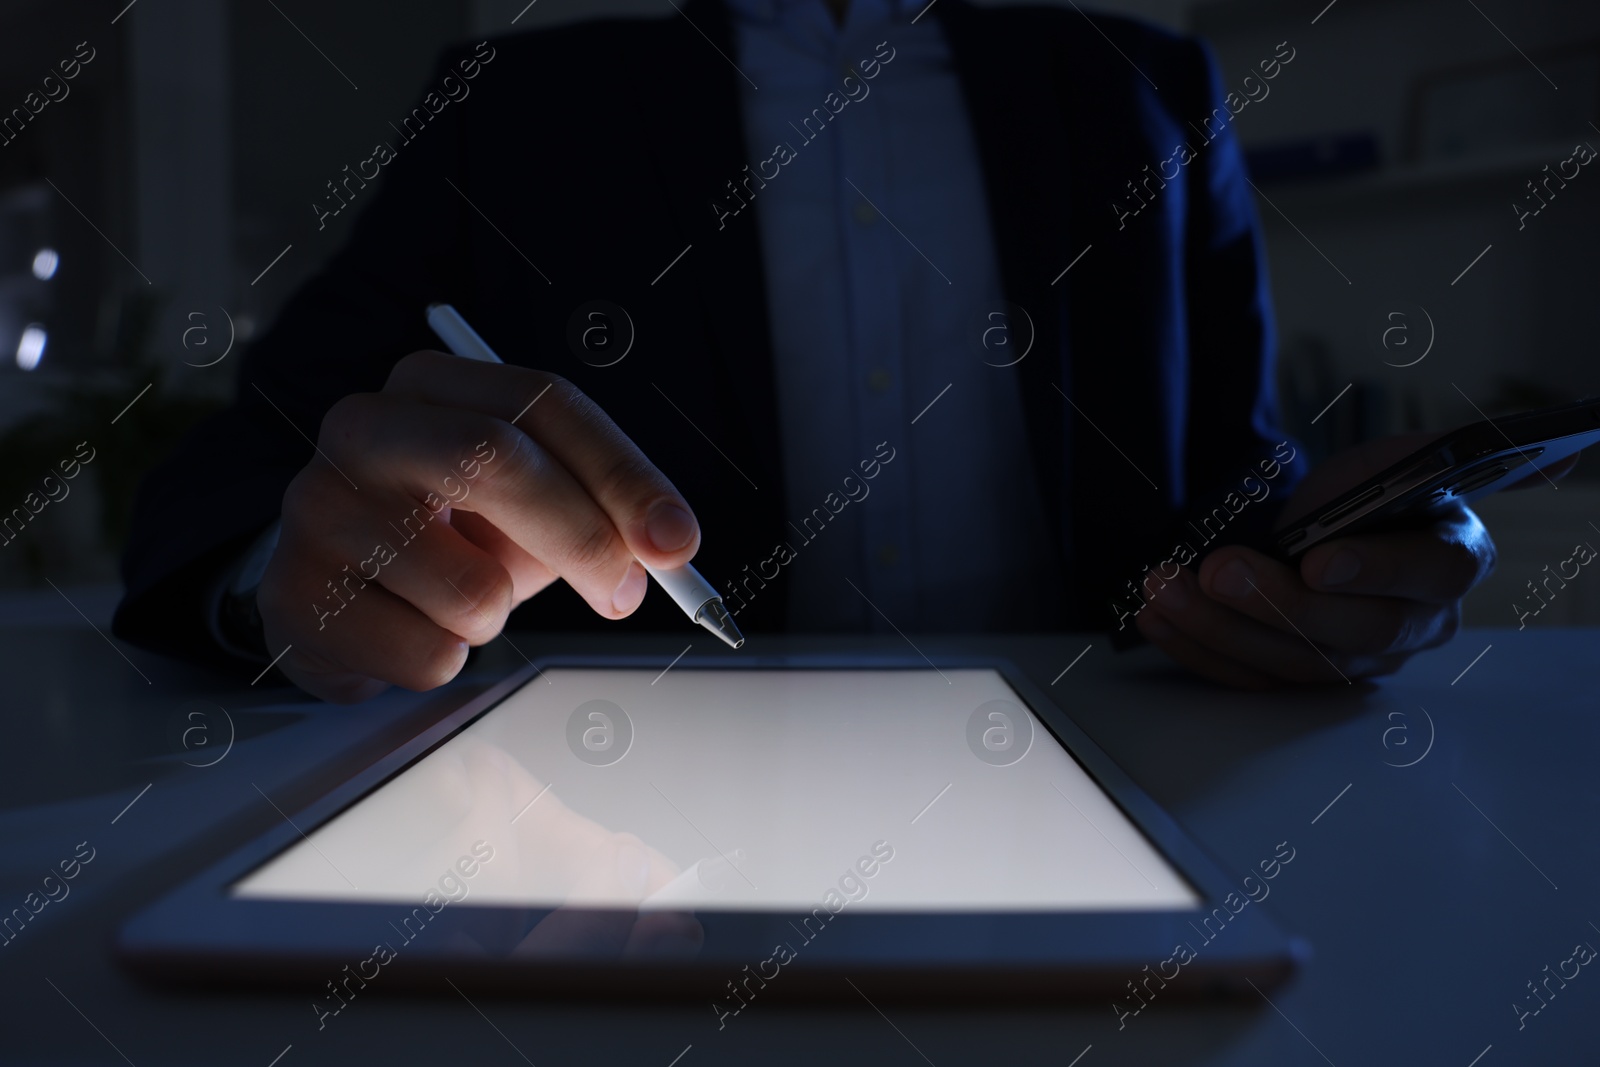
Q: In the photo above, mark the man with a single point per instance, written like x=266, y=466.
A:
x=941, y=319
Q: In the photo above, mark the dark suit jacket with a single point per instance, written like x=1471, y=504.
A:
x=598, y=149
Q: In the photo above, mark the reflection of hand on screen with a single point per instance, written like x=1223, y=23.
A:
x=470, y=822
x=711, y=875
x=475, y=790
x=460, y=796
x=616, y=867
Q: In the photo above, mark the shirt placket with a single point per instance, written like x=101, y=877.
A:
x=877, y=351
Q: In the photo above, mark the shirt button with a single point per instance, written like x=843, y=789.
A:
x=865, y=213
x=878, y=381
x=888, y=555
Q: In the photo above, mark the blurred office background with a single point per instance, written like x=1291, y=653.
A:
x=143, y=219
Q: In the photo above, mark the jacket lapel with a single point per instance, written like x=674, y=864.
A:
x=689, y=98
x=1011, y=99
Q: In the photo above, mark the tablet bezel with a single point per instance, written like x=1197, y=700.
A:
x=200, y=931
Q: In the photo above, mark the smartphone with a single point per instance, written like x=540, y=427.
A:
x=1459, y=467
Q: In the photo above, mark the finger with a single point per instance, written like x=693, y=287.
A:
x=1273, y=595
x=1231, y=634
x=512, y=482
x=653, y=518
x=336, y=647
x=1225, y=643
x=615, y=873
x=528, y=575
x=455, y=818
x=439, y=572
x=1437, y=565
x=1196, y=658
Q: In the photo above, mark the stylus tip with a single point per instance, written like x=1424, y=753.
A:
x=715, y=617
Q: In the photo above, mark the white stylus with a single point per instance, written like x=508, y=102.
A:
x=696, y=596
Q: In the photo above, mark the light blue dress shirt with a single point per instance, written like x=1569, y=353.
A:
x=882, y=279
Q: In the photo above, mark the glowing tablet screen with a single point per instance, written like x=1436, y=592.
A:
x=739, y=790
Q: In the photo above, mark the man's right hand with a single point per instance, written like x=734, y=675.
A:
x=436, y=506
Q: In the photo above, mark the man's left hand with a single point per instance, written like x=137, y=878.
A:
x=1353, y=607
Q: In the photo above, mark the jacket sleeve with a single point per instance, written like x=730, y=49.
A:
x=1232, y=426
x=1237, y=466
x=339, y=334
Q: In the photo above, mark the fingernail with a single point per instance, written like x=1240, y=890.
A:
x=1234, y=580
x=1344, y=566
x=631, y=592
x=669, y=526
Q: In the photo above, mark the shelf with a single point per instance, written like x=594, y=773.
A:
x=1395, y=182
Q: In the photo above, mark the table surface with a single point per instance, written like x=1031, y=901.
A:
x=1431, y=894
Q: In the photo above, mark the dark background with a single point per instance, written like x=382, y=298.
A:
x=195, y=142
x=1388, y=155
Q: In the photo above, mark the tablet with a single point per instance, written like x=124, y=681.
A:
x=605, y=824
